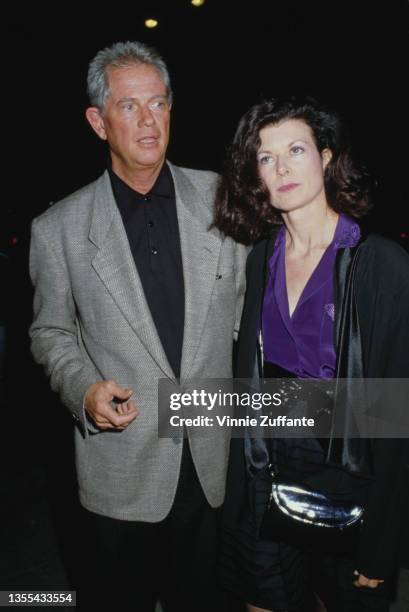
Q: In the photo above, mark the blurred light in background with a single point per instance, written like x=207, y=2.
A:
x=197, y=2
x=151, y=23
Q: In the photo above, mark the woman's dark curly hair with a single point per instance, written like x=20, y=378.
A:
x=243, y=206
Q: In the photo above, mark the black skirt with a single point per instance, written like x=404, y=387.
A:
x=271, y=575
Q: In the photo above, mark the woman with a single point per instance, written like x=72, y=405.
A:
x=321, y=311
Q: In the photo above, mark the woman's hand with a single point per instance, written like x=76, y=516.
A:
x=363, y=581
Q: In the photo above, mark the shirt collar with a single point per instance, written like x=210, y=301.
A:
x=347, y=233
x=163, y=186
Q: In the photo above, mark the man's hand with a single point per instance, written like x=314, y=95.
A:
x=363, y=581
x=97, y=404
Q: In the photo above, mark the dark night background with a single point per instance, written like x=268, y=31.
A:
x=222, y=57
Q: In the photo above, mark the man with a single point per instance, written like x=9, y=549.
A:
x=132, y=286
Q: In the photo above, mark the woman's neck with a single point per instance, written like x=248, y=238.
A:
x=308, y=230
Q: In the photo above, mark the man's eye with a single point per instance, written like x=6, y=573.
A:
x=128, y=107
x=158, y=105
x=297, y=150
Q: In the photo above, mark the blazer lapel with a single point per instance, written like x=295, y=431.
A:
x=115, y=267
x=200, y=258
x=347, y=448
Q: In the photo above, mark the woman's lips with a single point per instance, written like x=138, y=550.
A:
x=288, y=187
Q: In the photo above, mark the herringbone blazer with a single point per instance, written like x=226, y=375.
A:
x=92, y=322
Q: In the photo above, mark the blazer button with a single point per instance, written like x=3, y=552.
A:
x=177, y=440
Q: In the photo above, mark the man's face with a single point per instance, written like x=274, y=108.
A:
x=135, y=119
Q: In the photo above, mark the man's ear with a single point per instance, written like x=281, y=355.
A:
x=94, y=118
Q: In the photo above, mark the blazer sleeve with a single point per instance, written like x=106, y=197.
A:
x=387, y=357
x=54, y=334
x=387, y=510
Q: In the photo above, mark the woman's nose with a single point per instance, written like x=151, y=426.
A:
x=282, y=168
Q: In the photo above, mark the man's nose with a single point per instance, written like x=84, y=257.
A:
x=146, y=116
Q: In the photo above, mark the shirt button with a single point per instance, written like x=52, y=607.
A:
x=298, y=370
x=147, y=198
x=154, y=251
x=150, y=224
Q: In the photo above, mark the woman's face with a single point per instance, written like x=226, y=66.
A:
x=291, y=166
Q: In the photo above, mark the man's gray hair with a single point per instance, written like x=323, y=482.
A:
x=121, y=55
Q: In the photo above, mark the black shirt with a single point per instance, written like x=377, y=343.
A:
x=151, y=224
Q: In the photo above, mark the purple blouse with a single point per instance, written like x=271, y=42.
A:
x=304, y=343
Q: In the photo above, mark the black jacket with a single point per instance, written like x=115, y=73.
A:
x=372, y=340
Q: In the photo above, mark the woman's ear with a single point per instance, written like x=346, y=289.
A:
x=326, y=157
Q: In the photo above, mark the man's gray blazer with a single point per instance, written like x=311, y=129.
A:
x=92, y=322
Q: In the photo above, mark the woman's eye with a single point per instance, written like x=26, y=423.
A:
x=297, y=150
x=265, y=159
